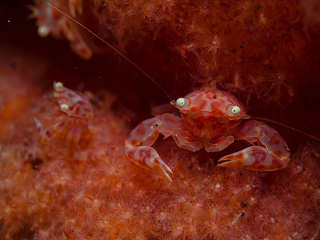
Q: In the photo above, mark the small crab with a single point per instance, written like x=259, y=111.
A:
x=213, y=120
x=71, y=121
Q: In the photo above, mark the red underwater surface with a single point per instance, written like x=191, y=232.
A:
x=264, y=52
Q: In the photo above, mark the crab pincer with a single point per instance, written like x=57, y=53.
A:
x=138, y=146
x=147, y=157
x=270, y=152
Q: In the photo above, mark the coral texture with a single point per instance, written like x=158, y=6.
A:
x=50, y=21
x=66, y=185
x=57, y=190
x=258, y=48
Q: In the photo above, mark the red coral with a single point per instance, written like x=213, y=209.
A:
x=50, y=20
x=255, y=48
x=96, y=193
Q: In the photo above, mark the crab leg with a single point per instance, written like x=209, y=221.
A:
x=270, y=152
x=138, y=146
x=219, y=144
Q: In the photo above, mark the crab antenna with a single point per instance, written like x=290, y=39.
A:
x=116, y=50
x=288, y=127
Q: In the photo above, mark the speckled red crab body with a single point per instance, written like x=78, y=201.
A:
x=205, y=114
x=71, y=120
x=213, y=120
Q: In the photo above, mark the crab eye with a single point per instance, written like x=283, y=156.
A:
x=58, y=86
x=235, y=110
x=64, y=107
x=180, y=102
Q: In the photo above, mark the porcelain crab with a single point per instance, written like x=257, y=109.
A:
x=71, y=120
x=213, y=120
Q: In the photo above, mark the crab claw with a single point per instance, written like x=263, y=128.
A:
x=270, y=152
x=255, y=158
x=147, y=157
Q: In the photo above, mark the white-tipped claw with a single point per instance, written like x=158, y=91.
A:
x=165, y=169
